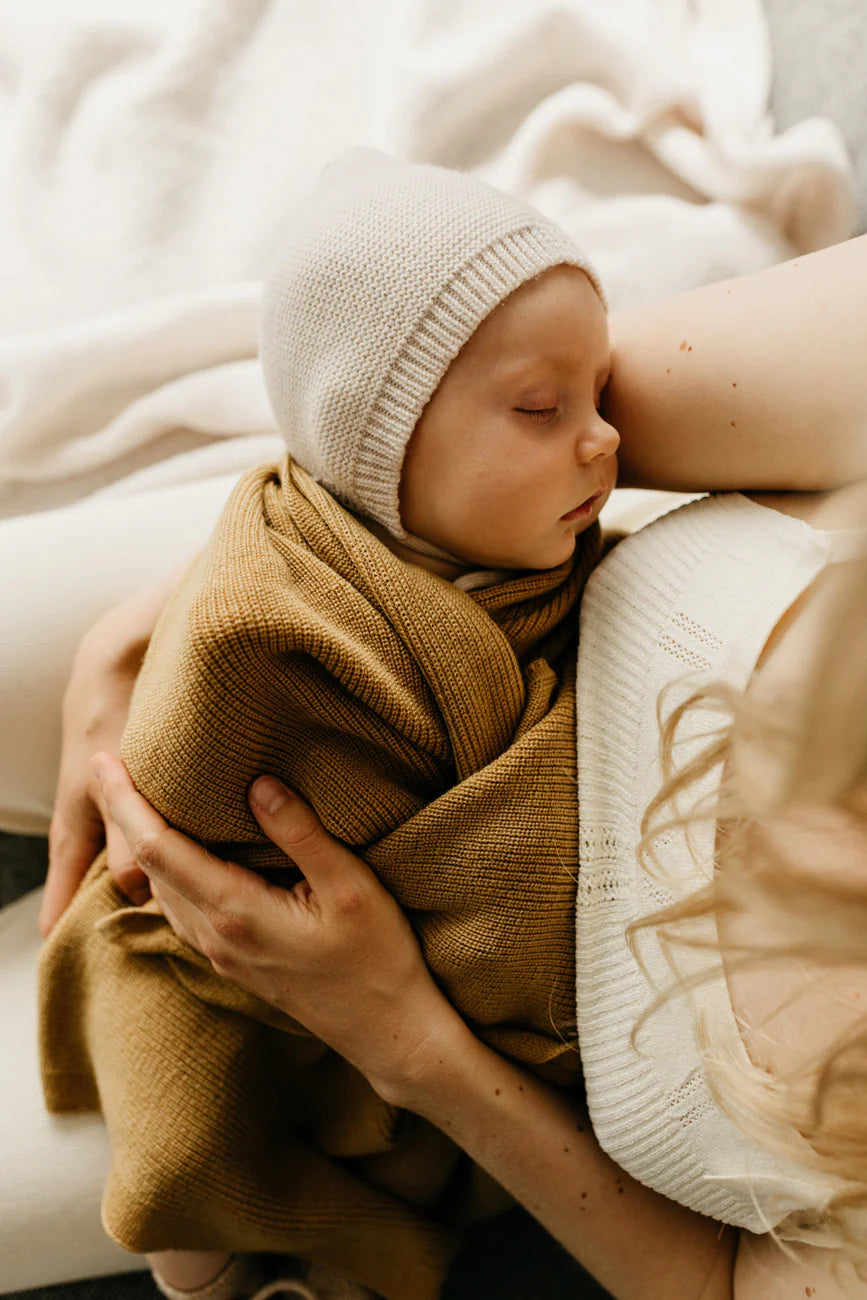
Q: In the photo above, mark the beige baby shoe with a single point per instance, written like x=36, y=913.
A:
x=243, y=1279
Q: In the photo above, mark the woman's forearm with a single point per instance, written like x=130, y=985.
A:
x=541, y=1147
x=756, y=383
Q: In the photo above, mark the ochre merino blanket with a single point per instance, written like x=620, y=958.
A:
x=433, y=730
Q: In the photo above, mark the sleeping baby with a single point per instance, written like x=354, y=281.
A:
x=386, y=619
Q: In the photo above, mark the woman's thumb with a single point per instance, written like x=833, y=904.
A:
x=294, y=827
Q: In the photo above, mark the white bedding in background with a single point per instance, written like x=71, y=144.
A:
x=149, y=150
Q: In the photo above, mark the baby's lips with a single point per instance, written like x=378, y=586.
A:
x=588, y=501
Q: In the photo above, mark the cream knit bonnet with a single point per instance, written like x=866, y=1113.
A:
x=382, y=275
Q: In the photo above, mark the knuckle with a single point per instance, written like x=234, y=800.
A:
x=59, y=827
x=62, y=841
x=57, y=837
x=231, y=929
x=148, y=848
x=350, y=900
x=212, y=949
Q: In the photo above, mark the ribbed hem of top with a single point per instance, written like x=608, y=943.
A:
x=436, y=339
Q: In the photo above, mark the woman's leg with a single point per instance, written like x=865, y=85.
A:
x=53, y=1166
x=59, y=570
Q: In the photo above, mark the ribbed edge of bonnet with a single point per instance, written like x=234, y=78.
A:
x=436, y=339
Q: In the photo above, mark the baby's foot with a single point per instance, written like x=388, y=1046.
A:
x=327, y=1285
x=242, y=1278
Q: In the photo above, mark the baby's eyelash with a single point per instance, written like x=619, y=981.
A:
x=543, y=414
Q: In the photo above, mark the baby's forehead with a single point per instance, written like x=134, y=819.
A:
x=544, y=314
x=532, y=348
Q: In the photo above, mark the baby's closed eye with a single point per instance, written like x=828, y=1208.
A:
x=538, y=413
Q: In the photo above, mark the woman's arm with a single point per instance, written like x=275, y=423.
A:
x=337, y=953
x=638, y=1244
x=753, y=383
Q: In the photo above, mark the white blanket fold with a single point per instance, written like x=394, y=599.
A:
x=147, y=164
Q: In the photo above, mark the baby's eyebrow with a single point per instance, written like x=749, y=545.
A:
x=533, y=371
x=527, y=391
x=539, y=373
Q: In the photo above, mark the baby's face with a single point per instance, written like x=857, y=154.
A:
x=511, y=458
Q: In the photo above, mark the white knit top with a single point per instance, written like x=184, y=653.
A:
x=690, y=599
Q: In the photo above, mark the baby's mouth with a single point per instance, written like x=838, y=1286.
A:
x=585, y=508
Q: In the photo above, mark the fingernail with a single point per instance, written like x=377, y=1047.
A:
x=98, y=766
x=268, y=794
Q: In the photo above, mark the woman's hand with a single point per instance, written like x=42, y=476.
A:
x=95, y=709
x=335, y=952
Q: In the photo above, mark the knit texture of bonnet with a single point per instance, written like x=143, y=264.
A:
x=383, y=274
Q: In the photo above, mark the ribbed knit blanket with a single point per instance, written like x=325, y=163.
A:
x=433, y=730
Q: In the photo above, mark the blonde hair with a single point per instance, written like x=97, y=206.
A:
x=814, y=744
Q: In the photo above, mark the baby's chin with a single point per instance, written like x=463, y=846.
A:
x=545, y=555
x=547, y=552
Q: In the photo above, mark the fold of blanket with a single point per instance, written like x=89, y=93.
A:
x=432, y=729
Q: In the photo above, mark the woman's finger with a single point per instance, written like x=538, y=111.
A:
x=141, y=824
x=74, y=839
x=125, y=871
x=294, y=827
x=181, y=915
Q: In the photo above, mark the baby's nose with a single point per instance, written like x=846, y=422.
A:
x=600, y=439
